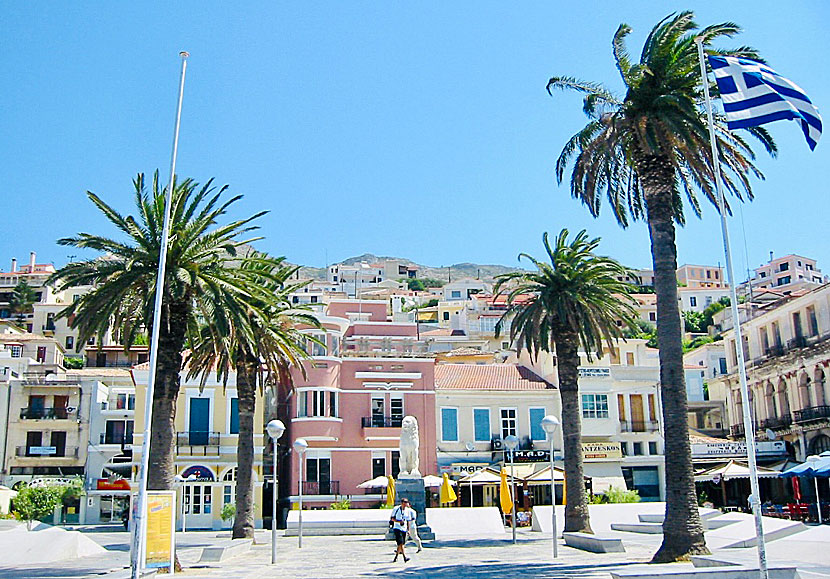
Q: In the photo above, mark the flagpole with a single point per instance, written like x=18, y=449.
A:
x=749, y=429
x=139, y=533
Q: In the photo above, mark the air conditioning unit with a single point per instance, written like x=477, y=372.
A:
x=497, y=444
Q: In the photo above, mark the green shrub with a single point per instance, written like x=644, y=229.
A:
x=342, y=504
x=73, y=363
x=228, y=511
x=34, y=503
x=615, y=495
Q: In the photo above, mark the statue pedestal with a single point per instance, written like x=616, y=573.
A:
x=413, y=489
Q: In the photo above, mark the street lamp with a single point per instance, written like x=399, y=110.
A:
x=550, y=424
x=300, y=446
x=275, y=428
x=183, y=481
x=813, y=460
x=511, y=443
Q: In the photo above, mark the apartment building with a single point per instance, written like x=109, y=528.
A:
x=787, y=348
x=787, y=273
x=350, y=279
x=707, y=412
x=701, y=276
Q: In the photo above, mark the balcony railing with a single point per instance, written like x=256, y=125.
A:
x=774, y=351
x=737, y=430
x=777, y=422
x=812, y=413
x=36, y=452
x=381, y=421
x=797, y=342
x=197, y=443
x=313, y=487
x=121, y=439
x=639, y=426
x=47, y=413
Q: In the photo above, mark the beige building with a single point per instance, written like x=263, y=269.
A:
x=701, y=276
x=787, y=348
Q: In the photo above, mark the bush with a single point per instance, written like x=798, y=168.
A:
x=228, y=511
x=615, y=495
x=34, y=503
x=73, y=363
x=342, y=505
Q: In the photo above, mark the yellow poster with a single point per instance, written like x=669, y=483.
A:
x=160, y=521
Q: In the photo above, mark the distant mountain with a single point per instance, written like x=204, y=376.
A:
x=486, y=272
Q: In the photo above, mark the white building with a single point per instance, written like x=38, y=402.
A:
x=787, y=273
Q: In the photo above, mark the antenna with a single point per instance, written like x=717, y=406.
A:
x=71, y=257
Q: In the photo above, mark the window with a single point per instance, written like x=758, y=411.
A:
x=316, y=349
x=455, y=294
x=652, y=316
x=124, y=401
x=629, y=358
x=396, y=409
x=311, y=403
x=481, y=424
x=378, y=466
x=118, y=432
x=693, y=301
x=70, y=342
x=508, y=422
x=722, y=365
x=784, y=266
x=638, y=449
x=536, y=430
x=229, y=490
x=643, y=479
x=17, y=351
x=446, y=316
x=333, y=409
x=784, y=280
x=449, y=424
x=396, y=463
x=234, y=421
x=594, y=406
x=318, y=473
x=652, y=447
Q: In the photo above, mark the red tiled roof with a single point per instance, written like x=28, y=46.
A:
x=487, y=377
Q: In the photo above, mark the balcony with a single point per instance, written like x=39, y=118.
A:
x=797, y=342
x=639, y=426
x=774, y=351
x=48, y=414
x=197, y=443
x=381, y=421
x=777, y=422
x=812, y=413
x=47, y=452
x=313, y=487
x=737, y=430
x=120, y=439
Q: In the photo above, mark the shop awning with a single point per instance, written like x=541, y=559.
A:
x=730, y=470
x=485, y=476
x=604, y=475
x=543, y=476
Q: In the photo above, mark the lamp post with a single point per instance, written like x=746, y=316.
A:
x=183, y=481
x=300, y=446
x=511, y=443
x=813, y=460
x=275, y=429
x=550, y=424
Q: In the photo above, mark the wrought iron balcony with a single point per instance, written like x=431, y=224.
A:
x=197, y=443
x=381, y=421
x=47, y=413
x=639, y=426
x=777, y=422
x=39, y=451
x=812, y=413
x=737, y=430
x=313, y=487
x=121, y=439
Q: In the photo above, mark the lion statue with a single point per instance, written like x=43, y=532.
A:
x=408, y=461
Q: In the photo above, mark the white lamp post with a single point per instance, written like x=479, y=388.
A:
x=275, y=428
x=550, y=424
x=300, y=446
x=511, y=443
x=183, y=481
x=813, y=460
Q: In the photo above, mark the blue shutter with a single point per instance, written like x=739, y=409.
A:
x=481, y=420
x=449, y=424
x=536, y=430
x=234, y=416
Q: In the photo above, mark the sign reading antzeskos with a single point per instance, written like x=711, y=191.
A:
x=738, y=448
x=601, y=450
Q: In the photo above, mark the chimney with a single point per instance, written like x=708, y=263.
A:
x=32, y=262
x=14, y=264
x=770, y=256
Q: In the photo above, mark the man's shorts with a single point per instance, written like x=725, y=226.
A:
x=400, y=536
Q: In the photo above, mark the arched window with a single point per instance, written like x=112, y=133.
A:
x=819, y=444
x=228, y=486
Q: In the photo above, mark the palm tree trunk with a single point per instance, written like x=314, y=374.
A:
x=577, y=518
x=682, y=528
x=243, y=522
x=282, y=401
x=162, y=467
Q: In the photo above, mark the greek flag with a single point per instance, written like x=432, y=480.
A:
x=754, y=94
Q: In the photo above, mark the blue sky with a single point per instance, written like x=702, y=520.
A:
x=414, y=129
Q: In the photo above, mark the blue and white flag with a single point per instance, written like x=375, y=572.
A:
x=754, y=94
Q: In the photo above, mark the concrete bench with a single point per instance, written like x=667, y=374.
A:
x=225, y=550
x=732, y=572
x=593, y=543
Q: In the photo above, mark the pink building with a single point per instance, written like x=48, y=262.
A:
x=350, y=404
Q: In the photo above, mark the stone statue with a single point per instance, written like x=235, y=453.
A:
x=408, y=461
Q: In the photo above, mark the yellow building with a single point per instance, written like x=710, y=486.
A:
x=207, y=426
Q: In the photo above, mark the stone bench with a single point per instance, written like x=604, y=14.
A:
x=225, y=550
x=732, y=572
x=593, y=543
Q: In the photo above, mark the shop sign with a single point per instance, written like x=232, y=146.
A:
x=160, y=529
x=42, y=450
x=591, y=372
x=531, y=456
x=203, y=473
x=738, y=448
x=105, y=484
x=465, y=468
x=601, y=450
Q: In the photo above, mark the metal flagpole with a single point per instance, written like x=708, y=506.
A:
x=754, y=499
x=139, y=532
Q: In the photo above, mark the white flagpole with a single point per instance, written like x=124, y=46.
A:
x=139, y=532
x=749, y=428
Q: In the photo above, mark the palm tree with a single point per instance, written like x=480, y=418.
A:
x=645, y=152
x=22, y=299
x=261, y=348
x=574, y=302
x=203, y=284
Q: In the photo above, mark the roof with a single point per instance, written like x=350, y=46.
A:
x=125, y=372
x=466, y=352
x=437, y=332
x=487, y=377
x=24, y=337
x=697, y=437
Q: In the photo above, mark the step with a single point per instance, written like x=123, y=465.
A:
x=226, y=550
x=643, y=528
x=594, y=543
x=670, y=571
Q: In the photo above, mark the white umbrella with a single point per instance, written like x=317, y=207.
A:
x=377, y=482
x=6, y=495
x=431, y=481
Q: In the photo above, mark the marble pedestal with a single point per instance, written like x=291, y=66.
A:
x=413, y=489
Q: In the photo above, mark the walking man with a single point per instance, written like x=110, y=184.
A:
x=400, y=521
